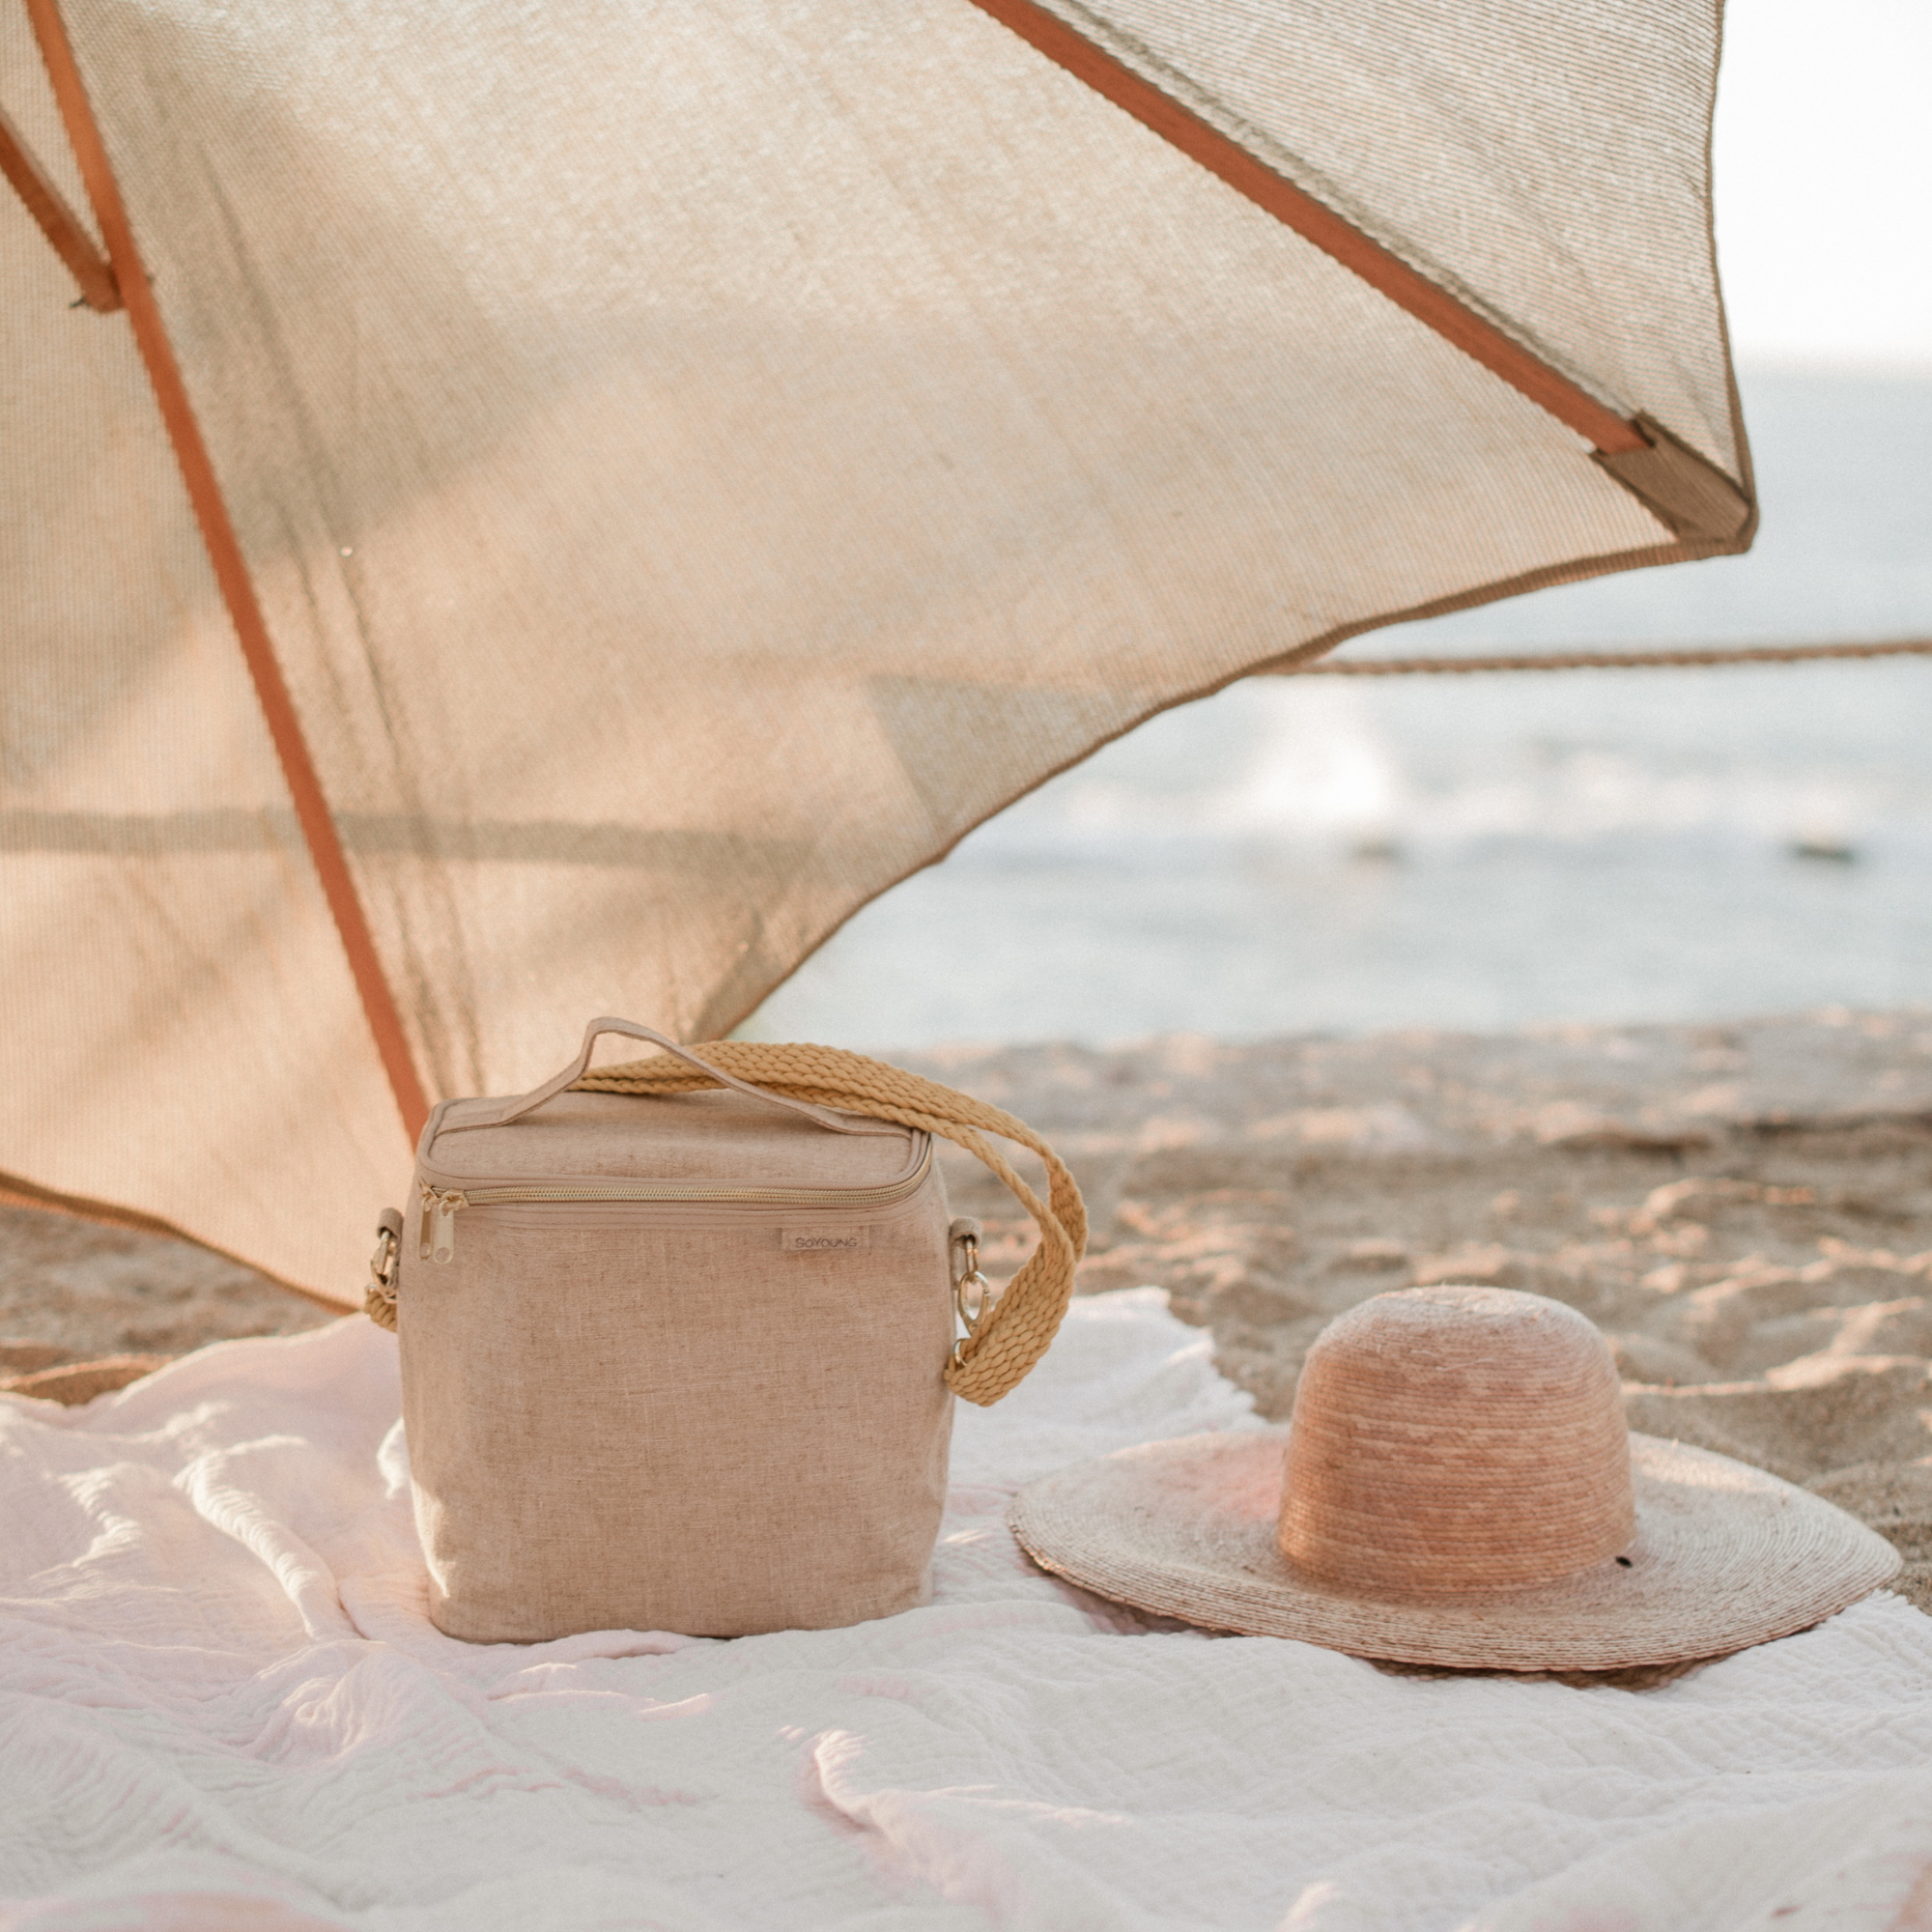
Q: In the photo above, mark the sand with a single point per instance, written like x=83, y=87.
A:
x=1744, y=1210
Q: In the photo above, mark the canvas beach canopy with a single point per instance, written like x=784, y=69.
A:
x=513, y=514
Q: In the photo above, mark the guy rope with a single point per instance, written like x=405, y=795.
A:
x=1674, y=658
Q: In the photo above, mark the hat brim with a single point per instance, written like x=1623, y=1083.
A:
x=1725, y=1557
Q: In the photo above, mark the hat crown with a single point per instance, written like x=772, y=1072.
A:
x=1452, y=1439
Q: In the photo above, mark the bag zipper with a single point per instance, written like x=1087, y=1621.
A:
x=436, y=1207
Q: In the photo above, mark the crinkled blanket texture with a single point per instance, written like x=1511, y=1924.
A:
x=223, y=1708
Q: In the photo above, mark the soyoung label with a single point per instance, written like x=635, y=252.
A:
x=822, y=1240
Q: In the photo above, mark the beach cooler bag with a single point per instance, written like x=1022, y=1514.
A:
x=679, y=1339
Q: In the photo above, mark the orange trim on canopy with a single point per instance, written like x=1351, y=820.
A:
x=231, y=569
x=1313, y=221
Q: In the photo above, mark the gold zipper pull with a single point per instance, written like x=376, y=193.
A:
x=445, y=1235
x=425, y=1194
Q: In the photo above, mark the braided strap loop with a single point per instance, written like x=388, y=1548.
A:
x=1025, y=1318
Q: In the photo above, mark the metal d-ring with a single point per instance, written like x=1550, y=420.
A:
x=383, y=1263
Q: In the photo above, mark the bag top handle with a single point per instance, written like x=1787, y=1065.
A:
x=1006, y=1339
x=516, y=1107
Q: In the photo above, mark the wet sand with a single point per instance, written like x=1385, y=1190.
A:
x=1744, y=1210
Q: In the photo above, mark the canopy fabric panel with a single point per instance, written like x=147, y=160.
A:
x=695, y=461
x=1550, y=165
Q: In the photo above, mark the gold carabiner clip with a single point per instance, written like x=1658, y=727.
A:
x=975, y=1281
x=969, y=1282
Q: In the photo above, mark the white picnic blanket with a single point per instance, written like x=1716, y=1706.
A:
x=221, y=1706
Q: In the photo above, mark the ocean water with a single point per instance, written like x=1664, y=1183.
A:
x=1488, y=851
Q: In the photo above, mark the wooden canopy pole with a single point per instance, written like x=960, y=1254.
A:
x=231, y=569
x=1474, y=334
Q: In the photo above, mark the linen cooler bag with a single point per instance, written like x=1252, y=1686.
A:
x=678, y=1339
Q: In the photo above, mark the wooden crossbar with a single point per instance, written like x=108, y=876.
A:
x=58, y=222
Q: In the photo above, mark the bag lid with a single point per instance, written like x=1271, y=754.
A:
x=715, y=1137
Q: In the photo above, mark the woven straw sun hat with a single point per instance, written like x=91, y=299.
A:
x=1457, y=1487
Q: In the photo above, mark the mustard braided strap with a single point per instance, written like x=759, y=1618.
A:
x=1027, y=1316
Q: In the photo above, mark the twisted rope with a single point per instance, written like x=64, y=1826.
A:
x=1024, y=1319
x=1683, y=657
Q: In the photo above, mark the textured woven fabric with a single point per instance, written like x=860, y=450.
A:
x=697, y=460
x=710, y=1418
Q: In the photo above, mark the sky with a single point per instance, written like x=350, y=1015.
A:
x=1824, y=182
